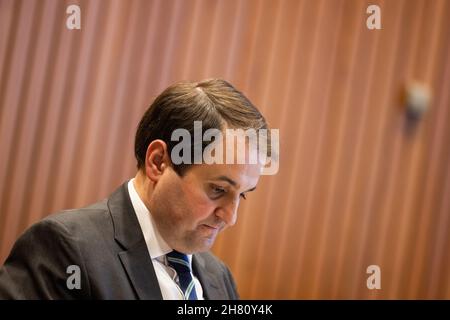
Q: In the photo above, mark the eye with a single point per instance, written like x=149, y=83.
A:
x=243, y=196
x=217, y=191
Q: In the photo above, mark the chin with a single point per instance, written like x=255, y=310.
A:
x=203, y=245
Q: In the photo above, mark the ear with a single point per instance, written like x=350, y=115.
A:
x=156, y=160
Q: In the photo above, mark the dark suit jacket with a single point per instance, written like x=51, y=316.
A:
x=106, y=242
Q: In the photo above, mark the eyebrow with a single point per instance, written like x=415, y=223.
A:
x=225, y=178
x=232, y=182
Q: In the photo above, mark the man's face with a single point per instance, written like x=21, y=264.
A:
x=191, y=210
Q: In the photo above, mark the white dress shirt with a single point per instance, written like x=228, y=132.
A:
x=157, y=249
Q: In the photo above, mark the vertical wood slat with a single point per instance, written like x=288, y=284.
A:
x=354, y=186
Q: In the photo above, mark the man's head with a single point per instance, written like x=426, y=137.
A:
x=216, y=103
x=191, y=203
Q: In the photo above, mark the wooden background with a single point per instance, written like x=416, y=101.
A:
x=357, y=185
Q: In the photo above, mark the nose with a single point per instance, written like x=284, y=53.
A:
x=227, y=212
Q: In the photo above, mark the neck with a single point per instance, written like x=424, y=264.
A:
x=143, y=187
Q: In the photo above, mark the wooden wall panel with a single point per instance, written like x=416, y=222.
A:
x=358, y=184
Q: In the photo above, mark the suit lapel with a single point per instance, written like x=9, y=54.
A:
x=135, y=257
x=139, y=267
x=212, y=290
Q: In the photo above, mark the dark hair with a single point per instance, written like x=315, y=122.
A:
x=215, y=102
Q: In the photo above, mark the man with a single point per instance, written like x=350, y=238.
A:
x=150, y=238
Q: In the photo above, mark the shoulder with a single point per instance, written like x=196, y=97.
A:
x=93, y=221
x=60, y=229
x=69, y=233
x=78, y=221
x=37, y=266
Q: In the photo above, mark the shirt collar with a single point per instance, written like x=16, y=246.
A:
x=156, y=245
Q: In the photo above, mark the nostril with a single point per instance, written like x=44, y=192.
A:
x=225, y=216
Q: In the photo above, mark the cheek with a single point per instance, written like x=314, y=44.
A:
x=198, y=203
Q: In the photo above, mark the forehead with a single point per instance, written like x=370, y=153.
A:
x=233, y=146
x=246, y=176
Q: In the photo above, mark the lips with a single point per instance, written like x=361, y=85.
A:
x=212, y=227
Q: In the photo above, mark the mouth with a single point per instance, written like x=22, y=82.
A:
x=211, y=227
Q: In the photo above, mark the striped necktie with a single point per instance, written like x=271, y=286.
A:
x=180, y=263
